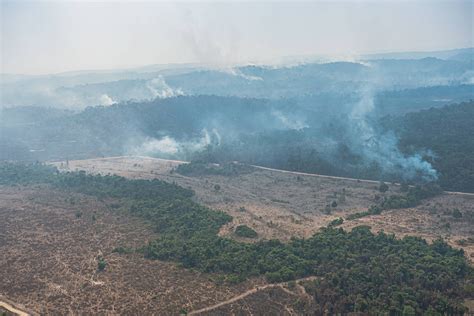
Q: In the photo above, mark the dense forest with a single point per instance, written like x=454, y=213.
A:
x=447, y=136
x=443, y=136
x=358, y=270
x=285, y=134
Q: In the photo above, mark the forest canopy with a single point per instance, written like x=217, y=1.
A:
x=446, y=135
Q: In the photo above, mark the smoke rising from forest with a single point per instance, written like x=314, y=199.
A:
x=356, y=130
x=320, y=117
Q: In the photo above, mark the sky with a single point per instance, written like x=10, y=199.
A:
x=39, y=37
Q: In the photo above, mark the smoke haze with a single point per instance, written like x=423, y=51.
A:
x=299, y=86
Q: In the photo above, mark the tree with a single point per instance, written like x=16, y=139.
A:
x=327, y=209
x=408, y=311
x=245, y=231
x=101, y=263
x=360, y=305
x=404, y=187
x=383, y=187
x=457, y=213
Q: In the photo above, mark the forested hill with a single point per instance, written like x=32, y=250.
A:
x=281, y=134
x=448, y=133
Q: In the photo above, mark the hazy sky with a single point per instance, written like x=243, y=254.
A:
x=46, y=37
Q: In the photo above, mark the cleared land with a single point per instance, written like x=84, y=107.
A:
x=50, y=241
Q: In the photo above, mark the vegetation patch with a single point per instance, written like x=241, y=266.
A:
x=411, y=198
x=245, y=231
x=373, y=210
x=336, y=222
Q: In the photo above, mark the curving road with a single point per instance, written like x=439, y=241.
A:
x=247, y=293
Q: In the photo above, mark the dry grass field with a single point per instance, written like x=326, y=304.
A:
x=281, y=205
x=49, y=260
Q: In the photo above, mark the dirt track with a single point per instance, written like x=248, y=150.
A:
x=12, y=309
x=250, y=292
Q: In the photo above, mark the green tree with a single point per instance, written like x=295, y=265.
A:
x=383, y=187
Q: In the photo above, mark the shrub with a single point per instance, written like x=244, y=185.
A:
x=245, y=231
x=122, y=250
x=336, y=222
x=101, y=263
x=404, y=187
x=457, y=213
x=327, y=209
x=383, y=187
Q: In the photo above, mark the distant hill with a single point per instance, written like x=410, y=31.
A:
x=442, y=54
x=78, y=90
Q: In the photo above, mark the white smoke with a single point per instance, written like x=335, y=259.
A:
x=238, y=73
x=218, y=138
x=168, y=147
x=160, y=89
x=290, y=122
x=383, y=148
x=106, y=100
x=165, y=145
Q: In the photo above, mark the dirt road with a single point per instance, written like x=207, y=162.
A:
x=12, y=309
x=247, y=293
